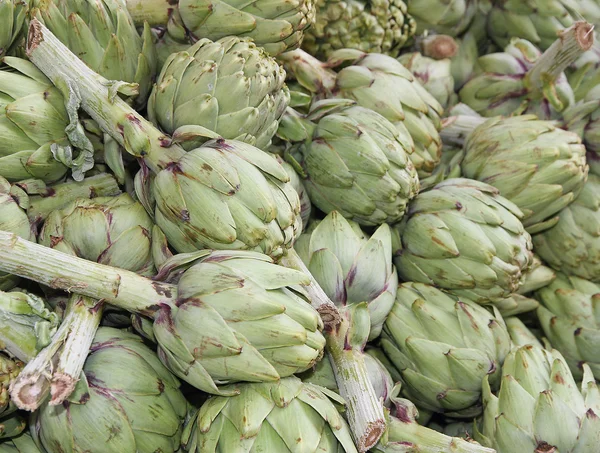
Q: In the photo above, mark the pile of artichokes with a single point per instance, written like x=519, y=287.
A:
x=317, y=226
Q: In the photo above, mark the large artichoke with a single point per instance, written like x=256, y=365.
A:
x=572, y=246
x=539, y=406
x=570, y=319
x=12, y=17
x=229, y=86
x=381, y=26
x=354, y=161
x=103, y=35
x=450, y=17
x=534, y=164
x=284, y=416
x=352, y=267
x=464, y=237
x=444, y=347
x=126, y=401
x=381, y=83
x=275, y=26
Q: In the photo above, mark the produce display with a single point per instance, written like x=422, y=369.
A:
x=317, y=226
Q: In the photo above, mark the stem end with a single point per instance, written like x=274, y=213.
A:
x=61, y=387
x=584, y=34
x=28, y=392
x=371, y=436
x=35, y=36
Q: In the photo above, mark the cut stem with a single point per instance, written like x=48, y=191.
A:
x=437, y=47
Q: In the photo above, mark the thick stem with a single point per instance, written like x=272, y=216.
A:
x=310, y=72
x=326, y=308
x=456, y=129
x=155, y=12
x=99, y=98
x=57, y=196
x=364, y=410
x=569, y=46
x=50, y=267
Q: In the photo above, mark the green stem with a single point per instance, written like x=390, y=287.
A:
x=155, y=12
x=98, y=97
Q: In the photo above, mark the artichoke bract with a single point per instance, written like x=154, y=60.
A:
x=354, y=161
x=284, y=416
x=539, y=406
x=12, y=17
x=462, y=236
x=298, y=185
x=534, y=164
x=450, y=17
x=104, y=36
x=20, y=444
x=350, y=266
x=276, y=27
x=378, y=82
x=113, y=408
x=381, y=26
x=572, y=246
x=444, y=347
x=570, y=320
x=230, y=86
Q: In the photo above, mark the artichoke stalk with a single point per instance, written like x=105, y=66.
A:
x=229, y=86
x=12, y=14
x=139, y=412
x=522, y=80
x=463, y=237
x=284, y=416
x=380, y=83
x=353, y=161
x=533, y=163
x=539, y=406
x=277, y=27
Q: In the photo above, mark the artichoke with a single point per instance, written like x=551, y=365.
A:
x=444, y=347
x=103, y=35
x=112, y=408
x=230, y=87
x=570, y=320
x=381, y=26
x=450, y=17
x=572, y=246
x=12, y=14
x=539, y=406
x=354, y=161
x=462, y=236
x=284, y=416
x=298, y=185
x=380, y=83
x=537, y=166
x=20, y=444
x=276, y=27
x=352, y=267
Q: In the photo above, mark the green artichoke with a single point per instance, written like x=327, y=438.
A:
x=115, y=409
x=434, y=75
x=444, y=347
x=450, y=17
x=462, y=236
x=381, y=83
x=298, y=185
x=534, y=164
x=572, y=246
x=570, y=320
x=350, y=266
x=12, y=14
x=230, y=87
x=103, y=35
x=381, y=26
x=21, y=444
x=284, y=416
x=276, y=27
x=539, y=406
x=354, y=161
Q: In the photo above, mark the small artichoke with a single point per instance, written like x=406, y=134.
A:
x=381, y=26
x=572, y=246
x=444, y=347
x=534, y=164
x=115, y=409
x=230, y=86
x=350, y=266
x=12, y=17
x=462, y=236
x=354, y=161
x=539, y=407
x=570, y=318
x=103, y=35
x=449, y=17
x=284, y=416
